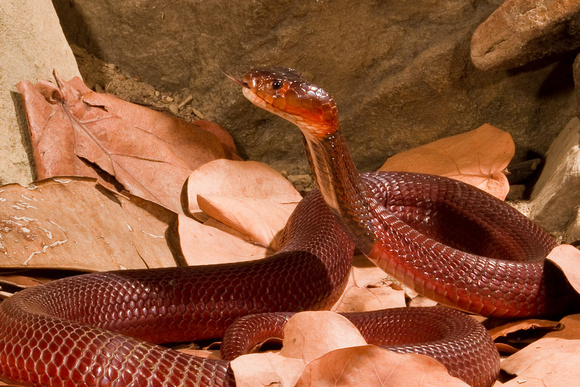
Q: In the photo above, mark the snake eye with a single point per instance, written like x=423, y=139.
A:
x=277, y=83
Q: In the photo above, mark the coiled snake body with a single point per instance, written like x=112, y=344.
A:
x=96, y=329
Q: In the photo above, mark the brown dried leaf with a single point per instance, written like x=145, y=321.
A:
x=477, y=157
x=247, y=199
x=309, y=335
x=223, y=135
x=246, y=196
x=245, y=179
x=523, y=325
x=552, y=361
x=75, y=223
x=567, y=258
x=203, y=245
x=367, y=289
x=266, y=369
x=20, y=281
x=150, y=153
x=260, y=219
x=373, y=366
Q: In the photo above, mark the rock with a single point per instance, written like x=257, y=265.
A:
x=32, y=45
x=521, y=31
x=517, y=192
x=572, y=233
x=302, y=183
x=576, y=77
x=555, y=199
x=400, y=71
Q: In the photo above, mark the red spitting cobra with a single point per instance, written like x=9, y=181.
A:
x=447, y=240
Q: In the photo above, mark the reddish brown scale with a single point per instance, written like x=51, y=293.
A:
x=318, y=111
x=438, y=250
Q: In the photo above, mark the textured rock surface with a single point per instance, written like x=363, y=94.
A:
x=400, y=71
x=520, y=31
x=556, y=196
x=572, y=233
x=32, y=45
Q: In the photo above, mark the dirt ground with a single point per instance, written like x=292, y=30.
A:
x=108, y=78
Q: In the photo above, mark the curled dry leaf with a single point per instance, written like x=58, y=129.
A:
x=76, y=224
x=523, y=325
x=239, y=179
x=260, y=219
x=223, y=135
x=309, y=335
x=199, y=244
x=526, y=328
x=552, y=361
x=75, y=131
x=248, y=196
x=250, y=200
x=477, y=157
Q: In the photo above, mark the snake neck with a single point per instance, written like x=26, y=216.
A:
x=341, y=187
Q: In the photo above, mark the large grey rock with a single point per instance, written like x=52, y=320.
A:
x=32, y=45
x=521, y=31
x=555, y=199
x=400, y=71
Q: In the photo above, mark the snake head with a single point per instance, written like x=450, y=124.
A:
x=284, y=92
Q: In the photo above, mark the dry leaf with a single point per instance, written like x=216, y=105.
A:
x=245, y=179
x=309, y=335
x=523, y=325
x=10, y=283
x=150, y=153
x=203, y=245
x=266, y=369
x=567, y=258
x=528, y=330
x=552, y=361
x=260, y=219
x=367, y=290
x=20, y=281
x=373, y=366
x=74, y=223
x=477, y=157
x=246, y=196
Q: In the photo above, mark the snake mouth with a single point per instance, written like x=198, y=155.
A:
x=236, y=80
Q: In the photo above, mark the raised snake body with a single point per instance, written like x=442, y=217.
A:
x=487, y=259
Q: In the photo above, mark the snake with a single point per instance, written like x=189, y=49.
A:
x=447, y=240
